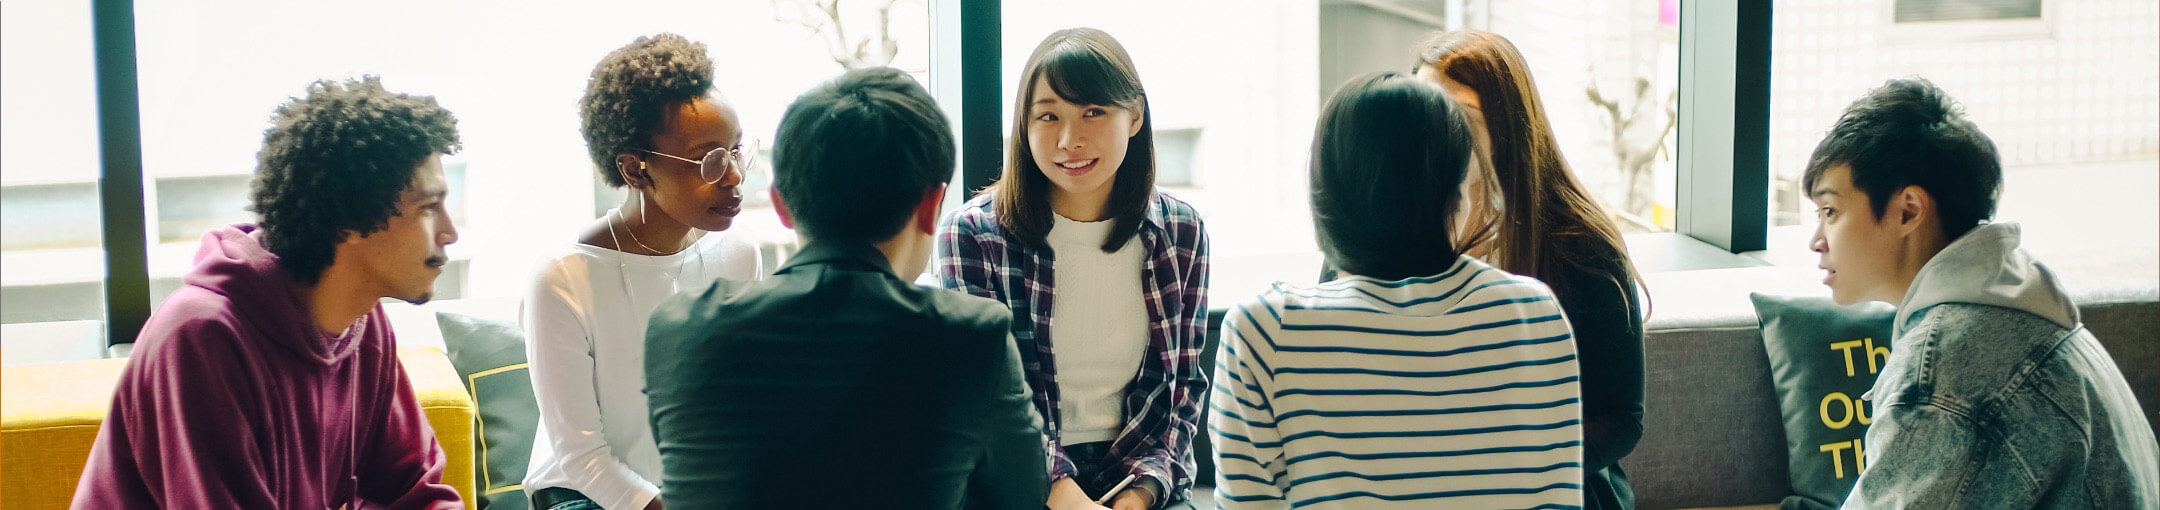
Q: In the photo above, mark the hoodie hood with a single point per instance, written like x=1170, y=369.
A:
x=266, y=301
x=1985, y=267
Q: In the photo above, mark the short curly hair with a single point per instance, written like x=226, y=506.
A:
x=337, y=161
x=626, y=98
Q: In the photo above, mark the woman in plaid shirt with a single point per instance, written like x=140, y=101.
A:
x=1119, y=386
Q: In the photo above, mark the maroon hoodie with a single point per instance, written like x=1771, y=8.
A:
x=233, y=398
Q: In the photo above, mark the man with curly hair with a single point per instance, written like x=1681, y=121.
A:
x=271, y=379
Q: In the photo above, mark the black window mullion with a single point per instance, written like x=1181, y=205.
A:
x=120, y=183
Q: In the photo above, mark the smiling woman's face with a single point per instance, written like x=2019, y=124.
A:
x=1078, y=146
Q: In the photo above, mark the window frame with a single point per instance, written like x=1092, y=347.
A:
x=1723, y=142
x=126, y=234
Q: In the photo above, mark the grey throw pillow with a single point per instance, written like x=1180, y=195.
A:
x=490, y=358
x=1823, y=358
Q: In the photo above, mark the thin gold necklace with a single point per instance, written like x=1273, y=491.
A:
x=633, y=236
x=622, y=270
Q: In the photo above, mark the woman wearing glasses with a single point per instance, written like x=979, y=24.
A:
x=653, y=123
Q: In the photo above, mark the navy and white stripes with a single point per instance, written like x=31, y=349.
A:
x=1453, y=390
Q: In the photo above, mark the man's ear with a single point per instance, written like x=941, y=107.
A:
x=926, y=211
x=1909, y=209
x=780, y=207
x=632, y=171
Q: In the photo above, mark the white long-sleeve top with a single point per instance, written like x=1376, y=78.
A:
x=1100, y=321
x=584, y=322
x=1457, y=390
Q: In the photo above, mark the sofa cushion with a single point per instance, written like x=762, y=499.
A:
x=52, y=413
x=2124, y=319
x=449, y=411
x=1823, y=358
x=1711, y=433
x=490, y=360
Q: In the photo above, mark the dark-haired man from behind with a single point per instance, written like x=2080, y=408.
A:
x=1994, y=394
x=271, y=379
x=836, y=383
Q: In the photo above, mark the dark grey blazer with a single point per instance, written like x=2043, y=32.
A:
x=834, y=384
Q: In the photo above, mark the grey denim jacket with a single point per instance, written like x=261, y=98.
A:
x=1995, y=396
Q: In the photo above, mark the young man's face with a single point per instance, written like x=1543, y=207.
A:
x=402, y=260
x=1859, y=251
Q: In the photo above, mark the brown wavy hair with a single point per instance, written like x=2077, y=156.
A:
x=1547, y=224
x=1084, y=66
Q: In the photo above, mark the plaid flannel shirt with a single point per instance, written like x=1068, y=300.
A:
x=976, y=255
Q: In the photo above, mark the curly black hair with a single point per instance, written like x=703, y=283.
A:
x=337, y=161
x=626, y=98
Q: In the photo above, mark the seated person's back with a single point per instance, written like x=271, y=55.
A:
x=833, y=374
x=1459, y=386
x=1423, y=379
x=836, y=383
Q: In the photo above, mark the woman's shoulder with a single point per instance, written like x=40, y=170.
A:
x=565, y=276
x=1177, y=221
x=592, y=247
x=1264, y=310
x=1491, y=282
x=570, y=261
x=976, y=215
x=1170, y=210
x=1596, y=254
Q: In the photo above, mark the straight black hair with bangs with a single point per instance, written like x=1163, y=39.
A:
x=1083, y=66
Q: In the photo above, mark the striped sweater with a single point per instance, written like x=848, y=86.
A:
x=1457, y=390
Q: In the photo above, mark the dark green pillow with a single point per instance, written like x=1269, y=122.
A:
x=490, y=358
x=1823, y=357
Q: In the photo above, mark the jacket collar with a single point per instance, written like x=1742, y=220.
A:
x=839, y=252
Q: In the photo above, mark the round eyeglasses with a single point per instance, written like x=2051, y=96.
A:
x=716, y=164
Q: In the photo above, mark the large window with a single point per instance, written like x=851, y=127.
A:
x=1608, y=72
x=523, y=186
x=2067, y=90
x=210, y=72
x=51, y=295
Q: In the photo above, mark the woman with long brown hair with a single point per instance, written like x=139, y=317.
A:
x=1524, y=211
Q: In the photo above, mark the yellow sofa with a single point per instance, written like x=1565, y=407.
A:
x=49, y=416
